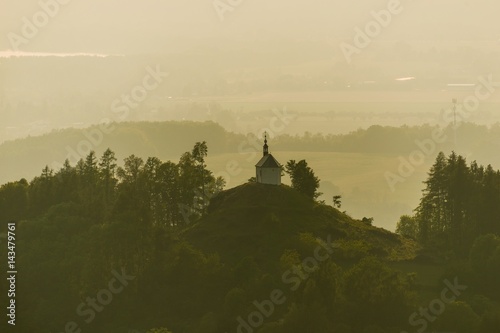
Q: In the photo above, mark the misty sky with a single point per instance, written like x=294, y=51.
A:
x=113, y=26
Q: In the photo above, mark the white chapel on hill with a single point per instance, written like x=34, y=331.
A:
x=268, y=170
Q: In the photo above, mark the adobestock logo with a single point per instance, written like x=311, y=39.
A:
x=104, y=297
x=485, y=88
x=224, y=6
x=437, y=306
x=293, y=277
x=121, y=109
x=31, y=26
x=364, y=37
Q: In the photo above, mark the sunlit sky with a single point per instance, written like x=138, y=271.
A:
x=112, y=26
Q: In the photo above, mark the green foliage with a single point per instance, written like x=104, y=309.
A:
x=373, y=329
x=208, y=323
x=303, y=178
x=460, y=202
x=235, y=302
x=354, y=249
x=367, y=220
x=457, y=317
x=337, y=201
x=306, y=318
x=407, y=226
x=380, y=295
x=83, y=221
x=490, y=323
x=14, y=201
x=485, y=261
x=159, y=330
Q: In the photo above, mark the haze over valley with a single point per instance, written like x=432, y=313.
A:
x=250, y=166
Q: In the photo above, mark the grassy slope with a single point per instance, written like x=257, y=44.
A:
x=359, y=178
x=264, y=220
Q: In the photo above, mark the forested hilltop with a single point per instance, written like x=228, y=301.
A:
x=177, y=252
x=459, y=218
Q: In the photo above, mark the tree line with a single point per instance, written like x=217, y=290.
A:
x=167, y=194
x=459, y=203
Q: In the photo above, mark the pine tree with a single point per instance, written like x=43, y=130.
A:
x=107, y=173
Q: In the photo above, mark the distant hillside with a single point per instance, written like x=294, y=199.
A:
x=167, y=140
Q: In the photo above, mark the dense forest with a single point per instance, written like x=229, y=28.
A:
x=460, y=202
x=194, y=258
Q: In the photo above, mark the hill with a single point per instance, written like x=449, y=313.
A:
x=262, y=221
x=167, y=140
x=212, y=275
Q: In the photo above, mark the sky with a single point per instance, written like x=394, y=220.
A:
x=165, y=26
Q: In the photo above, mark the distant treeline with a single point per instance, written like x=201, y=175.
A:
x=167, y=140
x=394, y=140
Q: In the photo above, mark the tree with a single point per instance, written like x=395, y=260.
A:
x=41, y=191
x=407, y=226
x=367, y=220
x=485, y=261
x=337, y=201
x=67, y=183
x=107, y=171
x=458, y=317
x=458, y=204
x=303, y=178
x=433, y=214
x=383, y=295
x=490, y=322
x=131, y=170
x=13, y=200
x=197, y=184
x=200, y=151
x=89, y=183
